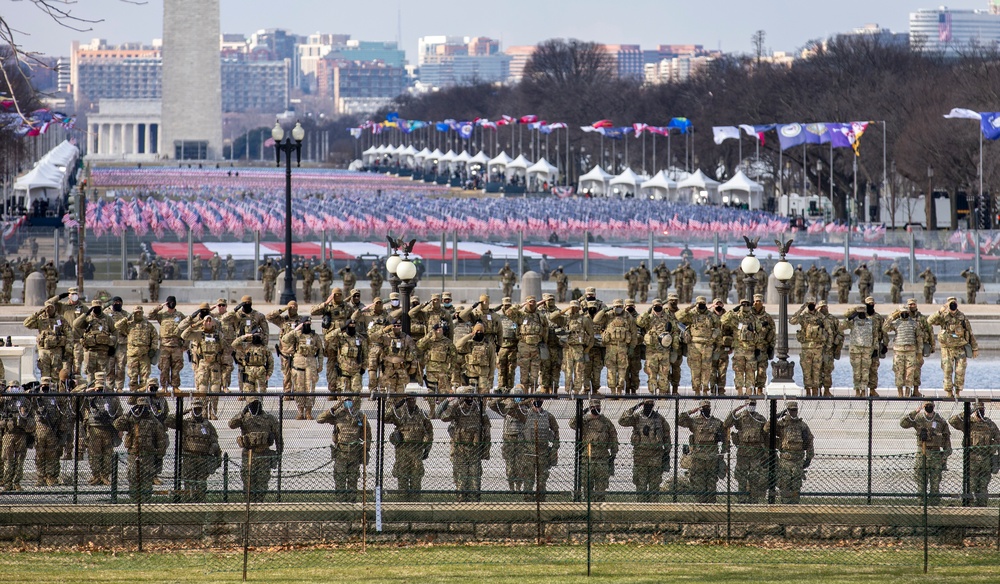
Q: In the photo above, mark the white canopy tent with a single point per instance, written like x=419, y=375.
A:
x=658, y=187
x=698, y=189
x=595, y=182
x=498, y=163
x=518, y=166
x=420, y=156
x=625, y=184
x=406, y=156
x=433, y=158
x=369, y=155
x=461, y=161
x=740, y=190
x=445, y=162
x=543, y=172
x=49, y=179
x=480, y=159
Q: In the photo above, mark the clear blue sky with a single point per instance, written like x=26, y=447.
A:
x=714, y=23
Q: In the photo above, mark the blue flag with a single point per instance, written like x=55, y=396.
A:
x=391, y=117
x=682, y=124
x=442, y=127
x=465, y=130
x=990, y=124
x=818, y=133
x=791, y=135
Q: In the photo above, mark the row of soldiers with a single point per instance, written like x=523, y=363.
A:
x=531, y=437
x=25, y=267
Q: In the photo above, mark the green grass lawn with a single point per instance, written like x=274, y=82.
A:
x=514, y=564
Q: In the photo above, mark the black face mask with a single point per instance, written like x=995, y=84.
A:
x=258, y=340
x=478, y=337
x=595, y=411
x=953, y=306
x=255, y=408
x=247, y=308
x=351, y=330
x=706, y=412
x=647, y=409
x=702, y=308
x=307, y=329
x=117, y=307
x=811, y=307
x=98, y=311
x=657, y=308
x=905, y=315
x=929, y=408
x=468, y=400
x=197, y=413
x=981, y=412
x=861, y=315
x=591, y=311
x=44, y=389
x=171, y=304
x=537, y=403
x=870, y=309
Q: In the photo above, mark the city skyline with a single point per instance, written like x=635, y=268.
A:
x=789, y=25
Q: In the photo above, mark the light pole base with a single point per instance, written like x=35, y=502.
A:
x=783, y=389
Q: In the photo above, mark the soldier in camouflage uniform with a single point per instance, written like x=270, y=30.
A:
x=155, y=280
x=268, y=277
x=507, y=279
x=835, y=344
x=814, y=339
x=469, y=428
x=746, y=431
x=196, y=269
x=507, y=355
x=171, y=344
x=256, y=365
x=97, y=332
x=767, y=340
x=926, y=332
x=863, y=347
x=662, y=273
x=474, y=354
x=973, y=284
x=704, y=330
x=539, y=447
x=352, y=436
x=823, y=286
x=334, y=313
x=286, y=319
x=907, y=344
x=17, y=425
x=720, y=353
x=957, y=341
x=392, y=360
x=631, y=283
x=375, y=280
x=812, y=279
x=141, y=345
x=53, y=335
x=552, y=366
x=706, y=459
x=597, y=449
x=618, y=333
x=200, y=452
x=442, y=362
x=412, y=439
x=799, y=285
x=895, y=284
x=230, y=267
x=325, y=275
x=202, y=331
x=865, y=280
x=562, y=283
x=259, y=431
x=306, y=348
x=215, y=264
x=532, y=330
x=795, y=452
x=117, y=363
x=579, y=339
x=650, y=448
x=984, y=450
x=347, y=277
x=347, y=353
x=933, y=449
x=7, y=273
x=679, y=349
x=51, y=279
x=100, y=412
x=844, y=283
x=746, y=339
x=50, y=413
x=930, y=285
x=145, y=441
x=659, y=338
x=308, y=275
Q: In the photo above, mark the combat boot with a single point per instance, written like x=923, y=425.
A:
x=309, y=414
x=872, y=392
x=826, y=392
x=916, y=392
x=899, y=390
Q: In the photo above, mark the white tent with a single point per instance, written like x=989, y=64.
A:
x=658, y=187
x=369, y=155
x=462, y=160
x=356, y=165
x=406, y=156
x=481, y=159
x=420, y=156
x=42, y=182
x=595, y=181
x=698, y=188
x=64, y=155
x=445, y=162
x=498, y=163
x=625, y=184
x=518, y=166
x=542, y=171
x=433, y=158
x=740, y=190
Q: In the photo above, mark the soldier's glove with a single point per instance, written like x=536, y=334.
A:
x=995, y=464
x=400, y=402
x=770, y=354
x=63, y=296
x=807, y=462
x=756, y=354
x=611, y=467
x=874, y=354
x=476, y=305
x=926, y=351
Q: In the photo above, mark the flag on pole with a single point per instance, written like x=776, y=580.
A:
x=723, y=133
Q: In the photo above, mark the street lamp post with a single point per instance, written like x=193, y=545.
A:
x=391, y=263
x=402, y=272
x=782, y=370
x=750, y=266
x=288, y=145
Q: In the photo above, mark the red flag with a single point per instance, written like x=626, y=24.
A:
x=528, y=119
x=602, y=124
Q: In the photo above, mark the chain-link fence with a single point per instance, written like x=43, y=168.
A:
x=602, y=483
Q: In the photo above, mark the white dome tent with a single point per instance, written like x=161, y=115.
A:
x=432, y=159
x=625, y=184
x=698, y=189
x=740, y=190
x=659, y=187
x=518, y=167
x=498, y=164
x=542, y=172
x=480, y=160
x=445, y=162
x=595, y=182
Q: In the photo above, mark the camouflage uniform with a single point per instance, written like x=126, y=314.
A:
x=375, y=280
x=413, y=439
x=474, y=354
x=930, y=285
x=441, y=361
x=706, y=436
x=393, y=360
x=766, y=343
x=679, y=348
x=907, y=344
x=230, y=267
x=511, y=447
x=51, y=279
x=352, y=437
x=99, y=415
x=207, y=345
x=171, y=346
x=155, y=280
x=720, y=353
x=141, y=345
x=53, y=335
x=865, y=281
x=799, y=284
x=562, y=284
x=532, y=330
x=96, y=330
x=650, y=449
x=469, y=428
x=662, y=280
x=539, y=450
x=507, y=279
x=268, y=277
x=638, y=353
x=597, y=449
x=196, y=269
x=551, y=367
x=7, y=273
x=507, y=355
x=619, y=336
x=308, y=275
x=145, y=441
x=306, y=348
x=823, y=285
x=746, y=431
x=973, y=284
x=704, y=331
x=844, y=283
x=334, y=312
x=215, y=264
x=660, y=338
x=926, y=332
x=895, y=284
x=347, y=277
x=50, y=412
x=325, y=279
x=70, y=311
x=285, y=318
x=933, y=450
x=746, y=340
x=984, y=448
x=814, y=339
x=835, y=344
x=16, y=426
x=795, y=453
x=347, y=353
x=200, y=452
x=259, y=430
x=579, y=338
x=863, y=344
x=118, y=362
x=955, y=336
x=256, y=365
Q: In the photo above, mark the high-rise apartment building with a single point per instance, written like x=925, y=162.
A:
x=454, y=60
x=953, y=32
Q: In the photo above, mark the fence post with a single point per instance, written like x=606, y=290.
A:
x=870, y=432
x=178, y=439
x=281, y=432
x=578, y=457
x=379, y=451
x=589, y=515
x=225, y=477
x=77, y=402
x=772, y=463
x=923, y=490
x=114, y=477
x=967, y=456
x=677, y=433
x=138, y=506
x=729, y=495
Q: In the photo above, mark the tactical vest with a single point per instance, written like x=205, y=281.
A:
x=648, y=431
x=307, y=346
x=411, y=426
x=170, y=330
x=210, y=347
x=508, y=333
x=256, y=433
x=465, y=429
x=98, y=334
x=197, y=438
x=541, y=420
x=616, y=333
x=512, y=426
x=906, y=333
x=479, y=355
x=863, y=334
x=350, y=428
x=751, y=429
x=141, y=436
x=793, y=436
x=256, y=356
x=531, y=329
